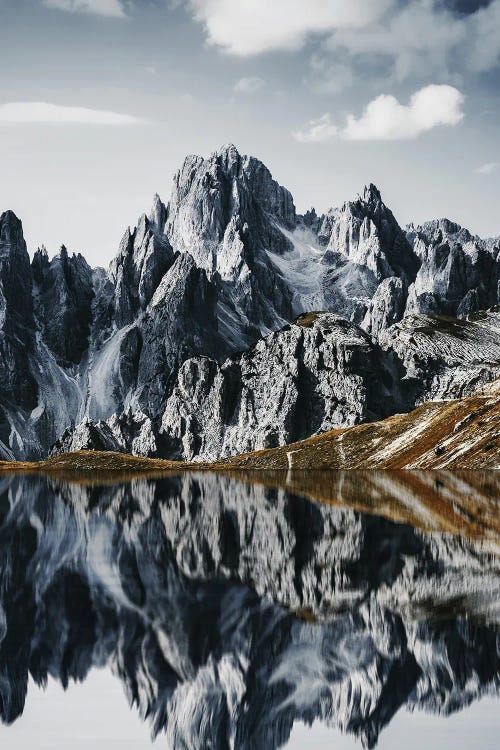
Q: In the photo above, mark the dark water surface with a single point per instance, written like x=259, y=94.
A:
x=219, y=612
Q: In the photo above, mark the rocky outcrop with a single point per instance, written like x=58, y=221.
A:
x=322, y=373
x=229, y=611
x=444, y=357
x=386, y=306
x=129, y=432
x=316, y=374
x=459, y=274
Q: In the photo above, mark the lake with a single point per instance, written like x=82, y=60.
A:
x=203, y=610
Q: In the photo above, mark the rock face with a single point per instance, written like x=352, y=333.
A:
x=63, y=292
x=317, y=374
x=17, y=324
x=386, y=306
x=366, y=232
x=229, y=611
x=459, y=274
x=227, y=262
x=446, y=357
x=18, y=388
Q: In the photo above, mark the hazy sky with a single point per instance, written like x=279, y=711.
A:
x=101, y=100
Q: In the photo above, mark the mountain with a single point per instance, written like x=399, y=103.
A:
x=229, y=611
x=199, y=305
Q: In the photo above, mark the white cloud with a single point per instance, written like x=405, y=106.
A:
x=385, y=119
x=249, y=85
x=317, y=131
x=43, y=112
x=402, y=38
x=488, y=168
x=423, y=39
x=110, y=8
x=255, y=26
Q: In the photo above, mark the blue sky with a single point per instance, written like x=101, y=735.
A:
x=101, y=100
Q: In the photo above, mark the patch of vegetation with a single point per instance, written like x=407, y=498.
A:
x=307, y=320
x=93, y=462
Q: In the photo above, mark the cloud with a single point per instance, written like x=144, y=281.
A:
x=256, y=26
x=386, y=119
x=249, y=85
x=488, y=168
x=422, y=39
x=403, y=39
x=317, y=131
x=43, y=112
x=110, y=8
x=329, y=77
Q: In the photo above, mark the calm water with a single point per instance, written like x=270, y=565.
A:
x=201, y=611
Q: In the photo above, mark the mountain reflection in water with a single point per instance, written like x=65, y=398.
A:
x=231, y=608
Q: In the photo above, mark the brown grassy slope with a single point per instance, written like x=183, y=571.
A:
x=461, y=434
x=92, y=463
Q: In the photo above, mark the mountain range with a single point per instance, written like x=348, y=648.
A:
x=227, y=322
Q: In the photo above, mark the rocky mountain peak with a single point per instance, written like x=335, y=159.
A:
x=366, y=232
x=229, y=157
x=158, y=214
x=12, y=244
x=143, y=257
x=39, y=264
x=15, y=274
x=440, y=231
x=371, y=194
x=214, y=199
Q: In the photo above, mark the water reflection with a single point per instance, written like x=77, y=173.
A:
x=231, y=609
